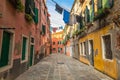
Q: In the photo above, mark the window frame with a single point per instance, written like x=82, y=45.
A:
x=32, y=43
x=11, y=51
x=27, y=48
x=103, y=47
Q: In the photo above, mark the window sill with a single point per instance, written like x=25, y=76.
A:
x=23, y=61
x=7, y=67
x=109, y=60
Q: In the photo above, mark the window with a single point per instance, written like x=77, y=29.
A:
x=32, y=40
x=54, y=49
x=111, y=2
x=81, y=49
x=99, y=4
x=84, y=49
x=106, y=45
x=6, y=50
x=44, y=12
x=30, y=8
x=43, y=29
x=24, y=49
x=53, y=43
x=92, y=11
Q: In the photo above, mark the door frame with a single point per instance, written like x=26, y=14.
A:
x=89, y=50
x=11, y=51
x=33, y=50
x=27, y=45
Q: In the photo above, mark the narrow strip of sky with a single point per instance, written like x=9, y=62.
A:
x=56, y=18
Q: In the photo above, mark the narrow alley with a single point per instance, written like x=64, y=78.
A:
x=61, y=67
x=59, y=39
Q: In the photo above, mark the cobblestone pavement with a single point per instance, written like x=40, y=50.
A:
x=61, y=67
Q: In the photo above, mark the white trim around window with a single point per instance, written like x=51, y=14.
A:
x=89, y=47
x=27, y=45
x=11, y=50
x=33, y=48
x=103, y=47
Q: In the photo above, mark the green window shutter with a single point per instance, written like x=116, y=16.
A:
x=31, y=54
x=36, y=15
x=111, y=3
x=92, y=11
x=81, y=23
x=105, y=3
x=24, y=48
x=27, y=8
x=87, y=15
x=4, y=57
x=99, y=4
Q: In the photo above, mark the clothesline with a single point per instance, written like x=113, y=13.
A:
x=61, y=6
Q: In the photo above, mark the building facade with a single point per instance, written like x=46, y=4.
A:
x=57, y=46
x=96, y=27
x=20, y=36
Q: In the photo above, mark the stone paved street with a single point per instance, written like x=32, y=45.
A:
x=61, y=67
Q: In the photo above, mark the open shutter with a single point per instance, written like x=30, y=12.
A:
x=99, y=4
x=36, y=15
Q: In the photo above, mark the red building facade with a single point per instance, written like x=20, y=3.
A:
x=57, y=46
x=20, y=36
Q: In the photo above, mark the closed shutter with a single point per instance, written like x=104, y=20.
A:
x=31, y=54
x=87, y=15
x=92, y=11
x=24, y=48
x=5, y=49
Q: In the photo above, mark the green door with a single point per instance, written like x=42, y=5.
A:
x=4, y=57
x=31, y=54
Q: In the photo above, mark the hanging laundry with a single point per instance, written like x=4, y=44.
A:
x=61, y=27
x=66, y=16
x=59, y=9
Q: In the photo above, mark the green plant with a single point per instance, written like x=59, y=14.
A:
x=19, y=6
x=102, y=13
x=29, y=18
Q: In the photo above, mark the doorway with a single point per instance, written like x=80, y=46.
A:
x=91, y=52
x=31, y=55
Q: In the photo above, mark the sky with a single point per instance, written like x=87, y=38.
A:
x=56, y=18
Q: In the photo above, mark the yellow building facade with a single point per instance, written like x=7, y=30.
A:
x=97, y=38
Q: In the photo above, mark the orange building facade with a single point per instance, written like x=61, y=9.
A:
x=57, y=46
